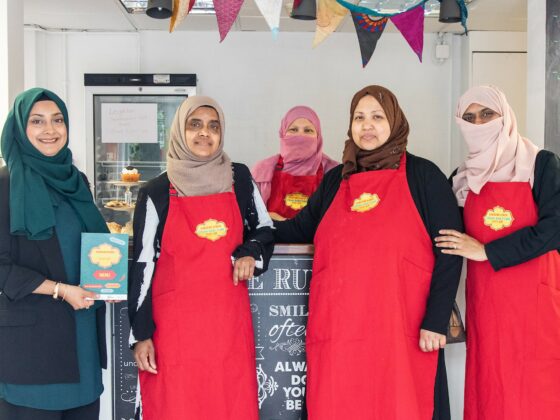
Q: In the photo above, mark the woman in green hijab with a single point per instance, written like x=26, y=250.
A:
x=52, y=350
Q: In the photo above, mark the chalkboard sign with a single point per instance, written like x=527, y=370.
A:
x=552, y=106
x=125, y=371
x=279, y=308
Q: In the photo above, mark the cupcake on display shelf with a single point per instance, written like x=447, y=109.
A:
x=130, y=174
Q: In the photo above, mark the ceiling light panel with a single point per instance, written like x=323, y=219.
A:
x=139, y=6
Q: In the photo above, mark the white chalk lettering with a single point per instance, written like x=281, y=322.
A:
x=299, y=380
x=293, y=366
x=287, y=329
x=293, y=278
x=288, y=310
x=255, y=283
x=294, y=405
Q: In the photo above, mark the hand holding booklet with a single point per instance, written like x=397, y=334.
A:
x=104, y=265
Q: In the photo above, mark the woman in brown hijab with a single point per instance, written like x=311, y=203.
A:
x=381, y=294
x=200, y=230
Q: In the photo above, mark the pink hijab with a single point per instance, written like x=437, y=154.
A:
x=496, y=151
x=301, y=156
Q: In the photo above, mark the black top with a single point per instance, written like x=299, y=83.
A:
x=37, y=333
x=532, y=241
x=438, y=209
x=150, y=216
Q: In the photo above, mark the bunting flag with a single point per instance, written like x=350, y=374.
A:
x=329, y=15
x=464, y=14
x=271, y=10
x=361, y=6
x=181, y=9
x=226, y=13
x=411, y=26
x=369, y=31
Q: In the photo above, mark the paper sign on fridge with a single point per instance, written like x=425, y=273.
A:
x=104, y=265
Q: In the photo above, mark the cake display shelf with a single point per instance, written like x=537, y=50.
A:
x=125, y=183
x=122, y=208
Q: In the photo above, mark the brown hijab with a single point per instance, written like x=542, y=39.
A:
x=388, y=155
x=193, y=175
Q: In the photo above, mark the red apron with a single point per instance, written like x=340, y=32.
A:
x=371, y=279
x=289, y=193
x=204, y=337
x=513, y=316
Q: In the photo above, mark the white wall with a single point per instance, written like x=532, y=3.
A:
x=536, y=70
x=256, y=80
x=11, y=54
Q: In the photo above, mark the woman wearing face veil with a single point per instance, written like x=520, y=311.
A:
x=510, y=192
x=51, y=348
x=200, y=230
x=381, y=294
x=286, y=181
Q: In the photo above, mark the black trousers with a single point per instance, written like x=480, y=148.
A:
x=16, y=412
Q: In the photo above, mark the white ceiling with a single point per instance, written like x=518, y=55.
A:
x=109, y=15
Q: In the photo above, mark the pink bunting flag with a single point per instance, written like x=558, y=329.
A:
x=226, y=13
x=411, y=26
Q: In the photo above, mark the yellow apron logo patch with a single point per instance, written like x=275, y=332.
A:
x=498, y=218
x=105, y=255
x=296, y=201
x=365, y=202
x=211, y=229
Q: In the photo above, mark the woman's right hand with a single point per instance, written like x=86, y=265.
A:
x=76, y=296
x=145, y=355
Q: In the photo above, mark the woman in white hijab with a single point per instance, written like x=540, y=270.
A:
x=510, y=192
x=200, y=230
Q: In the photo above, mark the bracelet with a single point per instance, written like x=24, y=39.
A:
x=65, y=290
x=55, y=292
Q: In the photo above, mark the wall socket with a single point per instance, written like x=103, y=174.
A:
x=442, y=52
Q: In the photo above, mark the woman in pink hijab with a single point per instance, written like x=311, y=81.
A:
x=510, y=192
x=286, y=181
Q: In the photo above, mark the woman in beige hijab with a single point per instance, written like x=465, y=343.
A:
x=510, y=192
x=200, y=230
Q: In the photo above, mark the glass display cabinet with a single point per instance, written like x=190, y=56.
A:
x=129, y=117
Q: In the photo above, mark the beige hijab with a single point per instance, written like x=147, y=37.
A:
x=496, y=151
x=193, y=175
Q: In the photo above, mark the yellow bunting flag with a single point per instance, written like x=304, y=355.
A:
x=181, y=9
x=329, y=15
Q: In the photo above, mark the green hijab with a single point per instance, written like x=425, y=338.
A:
x=33, y=174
